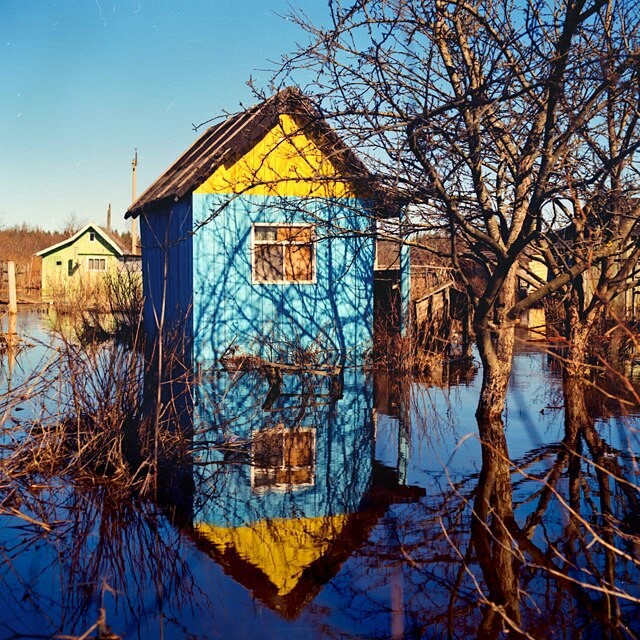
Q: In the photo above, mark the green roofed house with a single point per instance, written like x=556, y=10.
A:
x=79, y=263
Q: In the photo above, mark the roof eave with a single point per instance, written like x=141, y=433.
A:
x=75, y=236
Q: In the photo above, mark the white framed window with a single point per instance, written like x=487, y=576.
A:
x=92, y=236
x=283, y=253
x=97, y=264
x=283, y=458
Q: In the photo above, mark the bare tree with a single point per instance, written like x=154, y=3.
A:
x=482, y=115
x=603, y=215
x=72, y=224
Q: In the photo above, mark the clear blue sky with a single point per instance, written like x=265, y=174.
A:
x=84, y=82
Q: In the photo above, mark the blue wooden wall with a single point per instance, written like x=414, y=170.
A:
x=167, y=269
x=333, y=317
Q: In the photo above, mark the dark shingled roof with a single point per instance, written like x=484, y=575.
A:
x=116, y=239
x=228, y=141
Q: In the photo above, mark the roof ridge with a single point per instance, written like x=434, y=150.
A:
x=234, y=136
x=114, y=236
x=90, y=225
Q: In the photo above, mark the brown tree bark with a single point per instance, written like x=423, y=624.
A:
x=495, y=338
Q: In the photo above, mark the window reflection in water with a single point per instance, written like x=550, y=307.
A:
x=282, y=458
x=304, y=491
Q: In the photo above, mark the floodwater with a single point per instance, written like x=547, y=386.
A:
x=330, y=512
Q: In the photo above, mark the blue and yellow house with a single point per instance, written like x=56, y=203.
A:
x=259, y=241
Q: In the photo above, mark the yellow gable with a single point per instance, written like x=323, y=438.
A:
x=284, y=163
x=282, y=549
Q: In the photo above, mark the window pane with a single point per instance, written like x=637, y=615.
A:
x=265, y=234
x=301, y=234
x=284, y=233
x=298, y=448
x=263, y=478
x=287, y=476
x=299, y=262
x=268, y=263
x=91, y=264
x=294, y=234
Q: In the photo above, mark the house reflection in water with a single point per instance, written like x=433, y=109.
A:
x=288, y=487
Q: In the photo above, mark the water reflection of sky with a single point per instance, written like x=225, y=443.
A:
x=30, y=352
x=314, y=514
x=443, y=433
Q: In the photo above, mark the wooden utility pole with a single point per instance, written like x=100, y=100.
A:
x=135, y=245
x=11, y=337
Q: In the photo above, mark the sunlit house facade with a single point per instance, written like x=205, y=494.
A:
x=258, y=241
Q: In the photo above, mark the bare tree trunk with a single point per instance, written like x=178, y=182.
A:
x=576, y=415
x=467, y=331
x=578, y=329
x=495, y=338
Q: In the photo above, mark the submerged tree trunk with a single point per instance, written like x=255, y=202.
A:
x=578, y=327
x=490, y=530
x=496, y=353
x=493, y=506
x=579, y=426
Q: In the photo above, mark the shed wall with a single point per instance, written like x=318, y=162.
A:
x=332, y=318
x=167, y=267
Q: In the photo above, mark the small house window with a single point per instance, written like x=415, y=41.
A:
x=58, y=263
x=97, y=264
x=92, y=236
x=283, y=253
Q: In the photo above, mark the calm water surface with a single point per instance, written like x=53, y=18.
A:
x=308, y=515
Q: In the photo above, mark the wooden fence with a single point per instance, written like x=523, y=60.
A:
x=28, y=278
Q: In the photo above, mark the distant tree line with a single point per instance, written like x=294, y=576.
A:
x=20, y=242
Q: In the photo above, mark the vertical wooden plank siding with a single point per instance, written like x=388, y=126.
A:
x=167, y=266
x=405, y=288
x=331, y=318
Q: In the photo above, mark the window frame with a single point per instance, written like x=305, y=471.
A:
x=283, y=244
x=98, y=258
